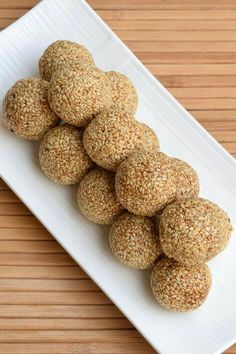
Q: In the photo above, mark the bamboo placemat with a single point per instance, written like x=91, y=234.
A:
x=47, y=303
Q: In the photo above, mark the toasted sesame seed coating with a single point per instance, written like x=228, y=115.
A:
x=77, y=96
x=187, y=179
x=62, y=156
x=63, y=53
x=109, y=138
x=179, y=287
x=194, y=230
x=26, y=110
x=134, y=241
x=145, y=183
x=97, y=198
x=114, y=135
x=124, y=95
x=148, y=138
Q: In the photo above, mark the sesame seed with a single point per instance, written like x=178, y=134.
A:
x=124, y=95
x=26, y=110
x=97, y=198
x=194, y=230
x=179, y=287
x=62, y=156
x=187, y=179
x=114, y=135
x=145, y=183
x=76, y=96
x=134, y=241
x=63, y=53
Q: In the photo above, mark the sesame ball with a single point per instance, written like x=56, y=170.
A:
x=26, y=109
x=114, y=135
x=63, y=53
x=124, y=95
x=62, y=156
x=187, y=179
x=148, y=138
x=179, y=287
x=97, y=198
x=145, y=183
x=134, y=241
x=76, y=96
x=194, y=230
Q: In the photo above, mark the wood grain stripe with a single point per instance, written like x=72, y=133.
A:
x=195, y=14
x=61, y=324
x=60, y=311
x=75, y=347
x=54, y=298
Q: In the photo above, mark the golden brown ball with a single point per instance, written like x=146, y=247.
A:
x=62, y=54
x=178, y=287
x=77, y=96
x=194, y=230
x=112, y=136
x=187, y=179
x=62, y=156
x=97, y=198
x=124, y=95
x=148, y=140
x=145, y=183
x=134, y=241
x=26, y=110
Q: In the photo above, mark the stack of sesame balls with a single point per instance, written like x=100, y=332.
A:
x=84, y=119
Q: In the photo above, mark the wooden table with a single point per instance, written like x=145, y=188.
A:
x=47, y=303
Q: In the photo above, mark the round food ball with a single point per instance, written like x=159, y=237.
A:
x=114, y=135
x=63, y=53
x=26, y=109
x=134, y=241
x=178, y=287
x=194, y=230
x=145, y=183
x=77, y=96
x=187, y=179
x=124, y=95
x=148, y=138
x=97, y=198
x=62, y=156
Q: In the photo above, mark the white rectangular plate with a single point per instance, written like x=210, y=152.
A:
x=210, y=329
